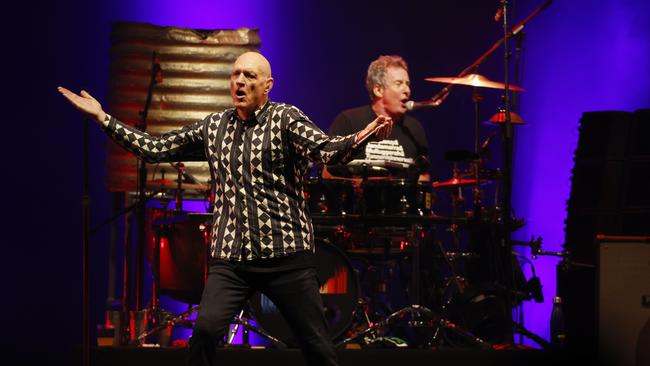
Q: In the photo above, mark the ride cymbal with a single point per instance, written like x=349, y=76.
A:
x=475, y=80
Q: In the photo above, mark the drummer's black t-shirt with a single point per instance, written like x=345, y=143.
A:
x=408, y=132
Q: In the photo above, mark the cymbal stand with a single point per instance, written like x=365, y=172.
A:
x=243, y=320
x=167, y=324
x=431, y=319
x=476, y=163
x=457, y=198
x=155, y=314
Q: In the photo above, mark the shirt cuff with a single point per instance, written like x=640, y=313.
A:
x=106, y=121
x=361, y=137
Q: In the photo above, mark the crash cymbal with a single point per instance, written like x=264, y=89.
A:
x=500, y=118
x=172, y=184
x=476, y=80
x=457, y=182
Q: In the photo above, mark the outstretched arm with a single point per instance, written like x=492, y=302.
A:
x=172, y=146
x=85, y=103
x=313, y=143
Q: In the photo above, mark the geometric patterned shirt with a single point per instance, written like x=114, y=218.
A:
x=257, y=169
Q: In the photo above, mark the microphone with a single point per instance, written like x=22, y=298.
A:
x=433, y=102
x=411, y=105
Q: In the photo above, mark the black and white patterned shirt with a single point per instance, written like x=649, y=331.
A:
x=257, y=168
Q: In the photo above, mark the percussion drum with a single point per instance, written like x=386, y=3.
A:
x=183, y=252
x=329, y=196
x=396, y=197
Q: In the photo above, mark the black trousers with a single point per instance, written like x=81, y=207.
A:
x=295, y=293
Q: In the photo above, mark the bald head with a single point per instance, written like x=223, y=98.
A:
x=250, y=83
x=254, y=60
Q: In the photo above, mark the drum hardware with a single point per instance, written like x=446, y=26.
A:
x=415, y=314
x=475, y=80
x=243, y=320
x=166, y=323
x=461, y=255
x=426, y=318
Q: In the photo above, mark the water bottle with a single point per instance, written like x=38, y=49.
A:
x=558, y=335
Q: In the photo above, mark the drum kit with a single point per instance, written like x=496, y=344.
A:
x=387, y=273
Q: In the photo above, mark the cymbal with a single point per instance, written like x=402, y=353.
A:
x=457, y=182
x=500, y=118
x=172, y=184
x=474, y=80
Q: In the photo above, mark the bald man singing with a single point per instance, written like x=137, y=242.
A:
x=262, y=235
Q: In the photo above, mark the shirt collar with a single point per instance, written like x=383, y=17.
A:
x=259, y=116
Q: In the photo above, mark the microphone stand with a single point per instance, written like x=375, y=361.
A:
x=135, y=316
x=437, y=99
x=506, y=244
x=142, y=181
x=85, y=202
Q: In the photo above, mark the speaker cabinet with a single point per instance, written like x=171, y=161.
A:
x=623, y=300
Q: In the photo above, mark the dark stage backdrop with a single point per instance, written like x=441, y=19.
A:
x=580, y=56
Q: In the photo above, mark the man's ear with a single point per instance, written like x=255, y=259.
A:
x=378, y=91
x=268, y=86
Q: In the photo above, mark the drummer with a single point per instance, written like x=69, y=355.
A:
x=388, y=86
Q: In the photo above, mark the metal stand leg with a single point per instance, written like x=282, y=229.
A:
x=162, y=325
x=417, y=315
x=243, y=319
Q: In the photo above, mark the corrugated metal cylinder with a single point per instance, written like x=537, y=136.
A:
x=195, y=67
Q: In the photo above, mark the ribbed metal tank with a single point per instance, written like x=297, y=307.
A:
x=195, y=67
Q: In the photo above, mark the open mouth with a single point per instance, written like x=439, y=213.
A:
x=240, y=94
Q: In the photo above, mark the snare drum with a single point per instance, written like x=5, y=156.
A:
x=396, y=197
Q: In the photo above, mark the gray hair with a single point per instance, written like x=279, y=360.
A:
x=377, y=71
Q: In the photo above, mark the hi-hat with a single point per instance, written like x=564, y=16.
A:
x=476, y=80
x=500, y=118
x=166, y=184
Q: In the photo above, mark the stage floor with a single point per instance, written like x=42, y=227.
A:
x=123, y=356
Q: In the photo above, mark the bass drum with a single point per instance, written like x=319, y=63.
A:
x=339, y=288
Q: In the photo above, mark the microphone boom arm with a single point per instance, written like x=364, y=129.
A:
x=437, y=99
